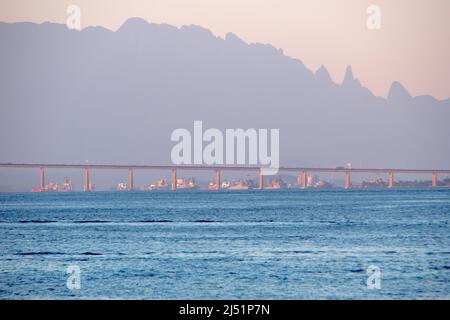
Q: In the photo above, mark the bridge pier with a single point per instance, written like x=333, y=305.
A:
x=391, y=180
x=261, y=180
x=434, y=180
x=87, y=182
x=304, y=180
x=130, y=180
x=174, y=179
x=217, y=179
x=42, y=176
x=347, y=180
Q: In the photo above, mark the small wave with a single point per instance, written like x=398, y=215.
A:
x=329, y=221
x=357, y=270
x=205, y=221
x=47, y=253
x=441, y=268
x=91, y=254
x=438, y=253
x=305, y=251
x=37, y=221
x=92, y=221
x=40, y=253
x=298, y=251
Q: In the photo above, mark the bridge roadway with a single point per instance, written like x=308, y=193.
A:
x=215, y=167
x=301, y=170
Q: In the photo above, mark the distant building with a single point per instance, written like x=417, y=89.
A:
x=161, y=184
x=374, y=183
x=242, y=184
x=122, y=186
x=322, y=184
x=276, y=183
x=67, y=185
x=187, y=184
x=52, y=187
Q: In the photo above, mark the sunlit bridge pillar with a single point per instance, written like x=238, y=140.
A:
x=434, y=179
x=261, y=180
x=347, y=180
x=217, y=179
x=130, y=180
x=304, y=180
x=42, y=175
x=174, y=179
x=87, y=182
x=391, y=180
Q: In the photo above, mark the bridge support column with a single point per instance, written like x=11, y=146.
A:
x=130, y=180
x=87, y=186
x=347, y=180
x=434, y=179
x=217, y=179
x=261, y=180
x=42, y=176
x=304, y=180
x=174, y=179
x=391, y=180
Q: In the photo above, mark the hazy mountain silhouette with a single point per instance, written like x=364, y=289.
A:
x=116, y=97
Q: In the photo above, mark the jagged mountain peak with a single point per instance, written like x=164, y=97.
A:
x=349, y=80
x=398, y=91
x=323, y=74
x=348, y=75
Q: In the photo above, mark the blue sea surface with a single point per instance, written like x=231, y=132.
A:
x=285, y=244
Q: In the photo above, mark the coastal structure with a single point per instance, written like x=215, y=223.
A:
x=304, y=175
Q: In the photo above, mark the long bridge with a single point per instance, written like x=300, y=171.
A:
x=302, y=171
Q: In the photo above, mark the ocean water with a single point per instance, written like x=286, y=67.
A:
x=289, y=244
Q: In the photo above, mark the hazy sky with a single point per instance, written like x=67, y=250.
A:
x=412, y=46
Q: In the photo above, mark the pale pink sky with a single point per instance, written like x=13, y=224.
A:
x=413, y=45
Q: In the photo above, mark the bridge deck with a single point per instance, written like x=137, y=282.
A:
x=214, y=167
